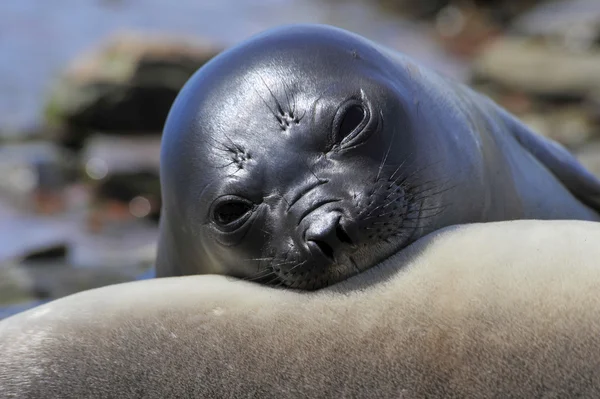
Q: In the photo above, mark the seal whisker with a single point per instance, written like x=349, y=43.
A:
x=380, y=215
x=235, y=147
x=287, y=97
x=417, y=171
x=225, y=166
x=430, y=194
x=354, y=265
x=387, y=153
x=258, y=259
x=263, y=100
x=273, y=280
x=384, y=205
x=421, y=217
x=277, y=103
x=259, y=276
x=391, y=178
x=401, y=178
x=312, y=172
x=289, y=262
x=234, y=173
x=268, y=106
x=297, y=266
x=224, y=149
x=292, y=105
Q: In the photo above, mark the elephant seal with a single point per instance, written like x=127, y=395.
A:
x=308, y=154
x=505, y=309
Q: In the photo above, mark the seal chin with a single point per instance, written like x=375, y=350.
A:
x=311, y=274
x=321, y=265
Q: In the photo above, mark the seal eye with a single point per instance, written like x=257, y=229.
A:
x=231, y=211
x=351, y=120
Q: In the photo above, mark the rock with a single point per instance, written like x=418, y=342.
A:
x=105, y=155
x=53, y=252
x=125, y=175
x=573, y=24
x=530, y=66
x=21, y=235
x=571, y=126
x=463, y=31
x=121, y=244
x=126, y=86
x=500, y=10
x=33, y=175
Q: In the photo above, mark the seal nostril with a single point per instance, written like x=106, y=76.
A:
x=342, y=235
x=324, y=248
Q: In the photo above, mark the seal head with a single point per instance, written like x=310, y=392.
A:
x=307, y=154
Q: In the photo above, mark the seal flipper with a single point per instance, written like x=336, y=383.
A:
x=563, y=165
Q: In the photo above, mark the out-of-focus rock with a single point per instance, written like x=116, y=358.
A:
x=127, y=195
x=501, y=10
x=24, y=234
x=33, y=175
x=573, y=24
x=124, y=172
x=125, y=86
x=463, y=31
x=104, y=155
x=547, y=70
x=571, y=123
x=533, y=67
x=119, y=246
x=570, y=126
x=58, y=251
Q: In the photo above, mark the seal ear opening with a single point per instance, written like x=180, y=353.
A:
x=563, y=165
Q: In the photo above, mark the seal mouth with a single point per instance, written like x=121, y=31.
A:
x=383, y=228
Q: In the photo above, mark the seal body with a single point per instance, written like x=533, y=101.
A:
x=308, y=154
x=507, y=309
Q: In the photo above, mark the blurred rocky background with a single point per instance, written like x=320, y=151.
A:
x=85, y=87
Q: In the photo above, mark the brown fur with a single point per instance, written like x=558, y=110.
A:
x=500, y=310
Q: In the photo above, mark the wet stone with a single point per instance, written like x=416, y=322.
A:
x=124, y=86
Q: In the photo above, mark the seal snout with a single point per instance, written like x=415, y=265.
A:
x=328, y=235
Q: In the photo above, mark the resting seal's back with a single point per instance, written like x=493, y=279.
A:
x=503, y=310
x=308, y=154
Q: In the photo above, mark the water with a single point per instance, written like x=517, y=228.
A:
x=39, y=37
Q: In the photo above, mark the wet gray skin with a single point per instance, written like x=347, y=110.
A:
x=308, y=154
